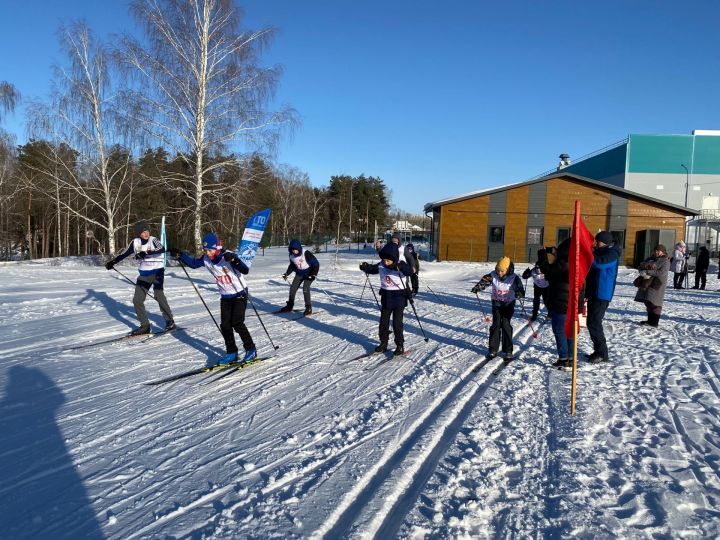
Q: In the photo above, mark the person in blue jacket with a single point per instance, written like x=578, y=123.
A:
x=306, y=268
x=599, y=290
x=393, y=295
x=224, y=267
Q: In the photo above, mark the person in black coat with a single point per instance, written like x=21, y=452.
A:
x=553, y=262
x=393, y=295
x=701, y=267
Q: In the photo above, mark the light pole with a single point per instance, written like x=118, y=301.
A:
x=687, y=187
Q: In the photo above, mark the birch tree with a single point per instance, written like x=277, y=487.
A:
x=82, y=115
x=203, y=90
x=9, y=98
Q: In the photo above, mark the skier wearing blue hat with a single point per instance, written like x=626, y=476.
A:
x=224, y=267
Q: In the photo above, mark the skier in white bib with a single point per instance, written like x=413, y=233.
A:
x=224, y=267
x=306, y=268
x=148, y=252
x=393, y=295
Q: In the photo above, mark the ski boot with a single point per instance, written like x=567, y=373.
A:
x=228, y=358
x=140, y=331
x=250, y=355
x=561, y=363
x=399, y=350
x=308, y=310
x=170, y=326
x=381, y=348
x=288, y=308
x=491, y=354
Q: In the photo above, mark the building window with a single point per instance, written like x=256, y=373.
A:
x=535, y=236
x=497, y=234
x=563, y=233
x=619, y=238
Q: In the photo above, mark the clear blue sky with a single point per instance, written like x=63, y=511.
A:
x=443, y=98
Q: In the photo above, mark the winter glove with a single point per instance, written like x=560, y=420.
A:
x=311, y=277
x=364, y=266
x=527, y=273
x=141, y=254
x=229, y=256
x=476, y=289
x=174, y=252
x=284, y=276
x=110, y=264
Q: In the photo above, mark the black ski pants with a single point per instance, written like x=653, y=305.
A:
x=700, y=278
x=501, y=327
x=397, y=317
x=232, y=317
x=595, y=314
x=415, y=283
x=538, y=293
x=678, y=279
x=296, y=285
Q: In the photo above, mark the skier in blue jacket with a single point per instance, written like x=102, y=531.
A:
x=224, y=267
x=599, y=290
x=306, y=268
x=148, y=252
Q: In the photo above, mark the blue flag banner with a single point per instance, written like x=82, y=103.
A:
x=252, y=236
x=163, y=240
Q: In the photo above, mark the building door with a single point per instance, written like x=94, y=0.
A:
x=496, y=242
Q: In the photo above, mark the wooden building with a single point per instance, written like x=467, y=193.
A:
x=518, y=219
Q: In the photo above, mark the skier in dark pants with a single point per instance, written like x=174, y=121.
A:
x=413, y=259
x=224, y=267
x=599, y=290
x=506, y=287
x=393, y=295
x=540, y=288
x=151, y=266
x=306, y=268
x=701, y=267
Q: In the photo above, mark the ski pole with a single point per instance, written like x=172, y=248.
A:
x=326, y=294
x=367, y=282
x=522, y=306
x=435, y=295
x=276, y=347
x=200, y=295
x=485, y=316
x=412, y=305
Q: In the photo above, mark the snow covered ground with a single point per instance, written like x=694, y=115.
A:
x=310, y=443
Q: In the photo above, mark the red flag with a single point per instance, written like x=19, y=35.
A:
x=580, y=259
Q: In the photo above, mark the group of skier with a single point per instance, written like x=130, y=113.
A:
x=398, y=275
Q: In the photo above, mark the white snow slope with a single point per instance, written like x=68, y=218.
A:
x=311, y=443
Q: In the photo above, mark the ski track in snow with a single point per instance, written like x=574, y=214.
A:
x=309, y=443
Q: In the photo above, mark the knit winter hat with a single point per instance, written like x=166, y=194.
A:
x=395, y=236
x=390, y=251
x=605, y=237
x=662, y=248
x=140, y=227
x=503, y=264
x=211, y=241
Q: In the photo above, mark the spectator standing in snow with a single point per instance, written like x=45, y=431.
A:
x=540, y=285
x=679, y=264
x=553, y=262
x=701, y=267
x=651, y=284
x=506, y=286
x=151, y=268
x=306, y=268
x=393, y=295
x=224, y=267
x=599, y=290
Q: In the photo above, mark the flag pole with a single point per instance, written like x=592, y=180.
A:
x=576, y=292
